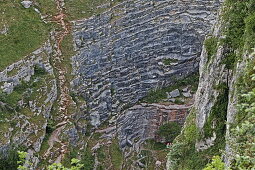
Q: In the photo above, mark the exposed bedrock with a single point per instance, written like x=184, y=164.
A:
x=122, y=53
x=141, y=122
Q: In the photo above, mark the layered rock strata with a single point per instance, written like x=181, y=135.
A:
x=141, y=122
x=121, y=53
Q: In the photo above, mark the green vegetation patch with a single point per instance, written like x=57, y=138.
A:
x=169, y=61
x=78, y=9
x=25, y=90
x=158, y=95
x=183, y=154
x=242, y=130
x=26, y=32
x=153, y=145
x=88, y=160
x=8, y=160
x=218, y=115
x=116, y=155
x=240, y=32
x=169, y=131
x=211, y=47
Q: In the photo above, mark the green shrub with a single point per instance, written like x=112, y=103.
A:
x=169, y=131
x=116, y=155
x=39, y=71
x=242, y=131
x=169, y=61
x=216, y=164
x=154, y=145
x=218, y=115
x=87, y=160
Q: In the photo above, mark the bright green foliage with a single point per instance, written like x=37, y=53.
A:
x=75, y=165
x=22, y=160
x=216, y=164
x=243, y=132
x=23, y=163
x=169, y=131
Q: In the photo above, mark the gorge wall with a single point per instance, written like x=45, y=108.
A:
x=121, y=53
x=123, y=58
x=223, y=102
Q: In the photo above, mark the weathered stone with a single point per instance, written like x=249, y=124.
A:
x=142, y=122
x=187, y=94
x=185, y=89
x=26, y=4
x=175, y=93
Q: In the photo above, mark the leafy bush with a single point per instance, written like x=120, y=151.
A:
x=243, y=141
x=87, y=160
x=39, y=70
x=216, y=164
x=169, y=131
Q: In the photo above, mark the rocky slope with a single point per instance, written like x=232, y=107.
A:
x=121, y=53
x=103, y=85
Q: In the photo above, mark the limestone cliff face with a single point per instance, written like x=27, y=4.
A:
x=218, y=98
x=215, y=72
x=120, y=54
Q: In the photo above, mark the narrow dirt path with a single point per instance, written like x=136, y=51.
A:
x=64, y=99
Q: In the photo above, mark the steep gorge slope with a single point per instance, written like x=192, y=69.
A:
x=222, y=119
x=105, y=101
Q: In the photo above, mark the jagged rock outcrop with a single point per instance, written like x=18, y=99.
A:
x=24, y=123
x=122, y=53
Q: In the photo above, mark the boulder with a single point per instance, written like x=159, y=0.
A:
x=187, y=94
x=175, y=93
x=26, y=4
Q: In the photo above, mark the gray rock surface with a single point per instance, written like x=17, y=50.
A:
x=174, y=93
x=187, y=94
x=119, y=52
x=26, y=4
x=141, y=122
